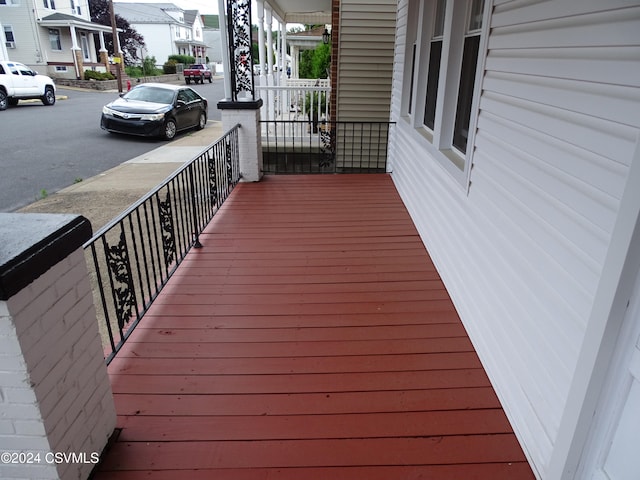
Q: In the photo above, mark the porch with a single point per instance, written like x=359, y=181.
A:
x=311, y=337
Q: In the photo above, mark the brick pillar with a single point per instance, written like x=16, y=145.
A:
x=79, y=62
x=56, y=405
x=247, y=114
x=104, y=59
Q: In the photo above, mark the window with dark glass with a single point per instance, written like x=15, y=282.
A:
x=54, y=39
x=8, y=34
x=468, y=76
x=433, y=74
x=413, y=72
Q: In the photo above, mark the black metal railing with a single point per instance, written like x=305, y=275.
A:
x=309, y=146
x=132, y=257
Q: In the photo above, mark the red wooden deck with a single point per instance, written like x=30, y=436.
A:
x=311, y=338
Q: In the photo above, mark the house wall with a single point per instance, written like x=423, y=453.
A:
x=158, y=39
x=19, y=17
x=32, y=45
x=365, y=63
x=522, y=246
x=214, y=45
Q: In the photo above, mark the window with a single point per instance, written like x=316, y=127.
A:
x=9, y=2
x=54, y=39
x=8, y=35
x=49, y=4
x=444, y=47
x=84, y=45
x=410, y=53
x=433, y=72
x=468, y=75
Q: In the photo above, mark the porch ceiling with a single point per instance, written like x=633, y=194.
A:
x=314, y=12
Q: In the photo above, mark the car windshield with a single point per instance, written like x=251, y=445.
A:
x=150, y=94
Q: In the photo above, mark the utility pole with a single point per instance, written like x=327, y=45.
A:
x=117, y=57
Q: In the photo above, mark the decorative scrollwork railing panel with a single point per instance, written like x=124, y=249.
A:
x=133, y=257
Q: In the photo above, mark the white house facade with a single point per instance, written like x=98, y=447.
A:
x=167, y=29
x=517, y=152
x=56, y=38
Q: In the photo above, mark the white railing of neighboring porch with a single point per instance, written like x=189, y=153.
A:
x=300, y=102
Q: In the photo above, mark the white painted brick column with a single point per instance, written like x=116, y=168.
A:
x=56, y=406
x=247, y=114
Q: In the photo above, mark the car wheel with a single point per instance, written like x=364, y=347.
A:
x=202, y=121
x=210, y=80
x=4, y=103
x=49, y=98
x=170, y=129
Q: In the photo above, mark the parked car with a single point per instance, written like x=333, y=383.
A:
x=19, y=82
x=155, y=109
x=197, y=72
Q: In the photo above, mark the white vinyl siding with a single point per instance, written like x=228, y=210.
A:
x=522, y=252
x=367, y=33
x=18, y=15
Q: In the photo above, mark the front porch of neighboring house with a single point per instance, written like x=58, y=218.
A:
x=310, y=337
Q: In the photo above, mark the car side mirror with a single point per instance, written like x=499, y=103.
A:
x=181, y=103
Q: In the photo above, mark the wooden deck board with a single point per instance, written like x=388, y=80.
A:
x=310, y=338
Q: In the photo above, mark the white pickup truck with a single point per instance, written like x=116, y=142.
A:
x=19, y=82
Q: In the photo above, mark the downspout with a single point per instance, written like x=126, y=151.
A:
x=74, y=49
x=36, y=34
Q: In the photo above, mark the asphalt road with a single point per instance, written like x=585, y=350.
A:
x=44, y=149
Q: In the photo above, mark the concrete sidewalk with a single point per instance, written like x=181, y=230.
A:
x=103, y=197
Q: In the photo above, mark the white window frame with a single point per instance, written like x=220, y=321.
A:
x=84, y=46
x=59, y=37
x=8, y=29
x=420, y=26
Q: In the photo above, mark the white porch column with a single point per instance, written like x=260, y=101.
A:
x=224, y=44
x=264, y=94
x=103, y=47
x=270, y=94
x=284, y=53
x=295, y=52
x=74, y=49
x=279, y=66
x=261, y=41
x=269, y=45
x=74, y=38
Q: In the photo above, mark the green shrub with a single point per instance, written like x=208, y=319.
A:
x=147, y=69
x=184, y=59
x=133, y=71
x=170, y=67
x=93, y=75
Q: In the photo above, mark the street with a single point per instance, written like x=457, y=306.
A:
x=45, y=149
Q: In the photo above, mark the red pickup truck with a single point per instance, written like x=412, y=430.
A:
x=197, y=72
